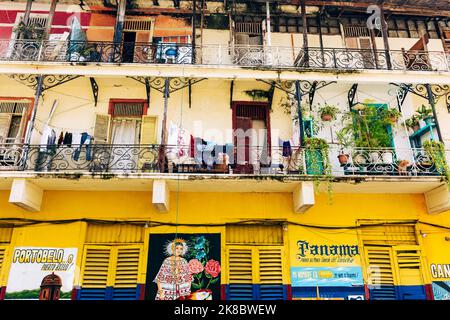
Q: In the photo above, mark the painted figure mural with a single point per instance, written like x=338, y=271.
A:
x=174, y=278
x=188, y=270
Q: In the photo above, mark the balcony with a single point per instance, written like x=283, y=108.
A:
x=125, y=159
x=222, y=55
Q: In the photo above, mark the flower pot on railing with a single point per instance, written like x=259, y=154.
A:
x=375, y=157
x=359, y=159
x=387, y=157
x=343, y=158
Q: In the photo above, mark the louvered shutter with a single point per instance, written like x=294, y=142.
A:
x=96, y=266
x=5, y=121
x=409, y=268
x=380, y=275
x=101, y=130
x=126, y=273
x=240, y=274
x=148, y=130
x=2, y=256
x=271, y=274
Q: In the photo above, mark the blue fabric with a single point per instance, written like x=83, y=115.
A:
x=86, y=140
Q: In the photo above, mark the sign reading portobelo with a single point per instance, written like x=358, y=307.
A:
x=41, y=273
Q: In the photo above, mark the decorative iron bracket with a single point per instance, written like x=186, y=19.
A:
x=402, y=92
x=158, y=83
x=352, y=96
x=306, y=87
x=420, y=90
x=50, y=81
x=94, y=87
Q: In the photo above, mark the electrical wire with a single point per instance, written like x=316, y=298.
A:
x=21, y=222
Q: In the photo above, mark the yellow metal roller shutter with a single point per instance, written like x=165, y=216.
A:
x=240, y=273
x=380, y=274
x=96, y=266
x=266, y=235
x=271, y=273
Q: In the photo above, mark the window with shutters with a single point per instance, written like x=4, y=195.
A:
x=110, y=272
x=255, y=273
x=12, y=120
x=393, y=262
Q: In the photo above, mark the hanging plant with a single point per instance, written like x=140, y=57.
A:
x=318, y=162
x=435, y=150
x=413, y=123
x=328, y=112
x=425, y=113
x=258, y=94
x=391, y=116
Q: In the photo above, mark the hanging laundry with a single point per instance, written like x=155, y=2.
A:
x=68, y=139
x=61, y=138
x=191, y=146
x=287, y=150
x=85, y=140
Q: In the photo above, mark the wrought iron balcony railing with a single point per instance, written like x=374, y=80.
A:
x=237, y=55
x=100, y=158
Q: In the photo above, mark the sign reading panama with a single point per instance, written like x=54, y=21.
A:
x=342, y=253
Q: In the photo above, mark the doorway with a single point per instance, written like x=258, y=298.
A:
x=251, y=128
x=129, y=40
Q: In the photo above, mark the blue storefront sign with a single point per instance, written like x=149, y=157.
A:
x=326, y=276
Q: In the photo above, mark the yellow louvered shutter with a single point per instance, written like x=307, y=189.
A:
x=240, y=273
x=148, y=130
x=127, y=267
x=249, y=266
x=96, y=266
x=2, y=256
x=101, y=129
x=409, y=265
x=380, y=274
x=271, y=273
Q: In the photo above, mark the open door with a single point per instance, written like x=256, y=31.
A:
x=416, y=58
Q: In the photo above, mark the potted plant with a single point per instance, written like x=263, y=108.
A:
x=435, y=150
x=391, y=116
x=372, y=140
x=328, y=112
x=345, y=141
x=413, y=123
x=402, y=166
x=425, y=114
x=316, y=152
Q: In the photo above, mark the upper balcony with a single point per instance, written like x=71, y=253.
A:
x=220, y=56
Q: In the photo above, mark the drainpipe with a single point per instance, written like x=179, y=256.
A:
x=433, y=107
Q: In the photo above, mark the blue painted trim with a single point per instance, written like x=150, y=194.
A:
x=255, y=292
x=327, y=292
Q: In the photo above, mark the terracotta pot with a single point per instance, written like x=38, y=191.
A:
x=416, y=127
x=326, y=117
x=343, y=158
x=393, y=119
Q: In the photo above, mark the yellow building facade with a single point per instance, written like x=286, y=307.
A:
x=124, y=176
